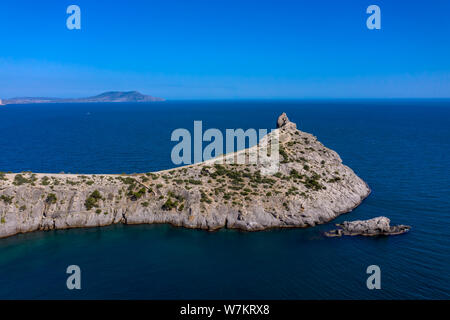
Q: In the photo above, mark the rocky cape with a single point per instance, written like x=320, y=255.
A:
x=311, y=187
x=379, y=226
x=111, y=96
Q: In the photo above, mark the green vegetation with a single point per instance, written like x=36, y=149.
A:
x=6, y=199
x=20, y=180
x=169, y=204
x=51, y=199
x=204, y=197
x=72, y=183
x=295, y=175
x=284, y=155
x=136, y=195
x=92, y=200
x=192, y=181
x=173, y=203
x=313, y=183
x=45, y=181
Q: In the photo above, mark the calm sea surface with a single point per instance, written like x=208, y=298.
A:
x=400, y=148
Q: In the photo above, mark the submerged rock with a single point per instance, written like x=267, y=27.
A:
x=372, y=227
x=310, y=187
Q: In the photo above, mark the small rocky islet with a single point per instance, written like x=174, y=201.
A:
x=311, y=187
x=379, y=226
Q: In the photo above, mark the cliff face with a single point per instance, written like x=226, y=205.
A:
x=311, y=187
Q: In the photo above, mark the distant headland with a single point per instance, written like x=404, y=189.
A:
x=110, y=96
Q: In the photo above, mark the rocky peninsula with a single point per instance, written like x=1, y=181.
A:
x=311, y=187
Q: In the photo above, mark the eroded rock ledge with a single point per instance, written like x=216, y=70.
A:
x=311, y=187
x=379, y=226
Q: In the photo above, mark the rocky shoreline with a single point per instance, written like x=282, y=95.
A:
x=311, y=187
x=379, y=226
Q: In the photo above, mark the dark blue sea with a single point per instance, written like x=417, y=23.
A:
x=400, y=148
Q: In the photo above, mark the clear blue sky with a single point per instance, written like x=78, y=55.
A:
x=216, y=49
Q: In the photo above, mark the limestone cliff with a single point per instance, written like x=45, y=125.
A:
x=311, y=187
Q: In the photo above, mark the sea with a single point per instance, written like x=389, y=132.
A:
x=399, y=147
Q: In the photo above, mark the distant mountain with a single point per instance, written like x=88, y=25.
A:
x=111, y=96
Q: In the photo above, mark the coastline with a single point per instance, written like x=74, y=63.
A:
x=312, y=187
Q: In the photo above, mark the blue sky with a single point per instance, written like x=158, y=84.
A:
x=217, y=49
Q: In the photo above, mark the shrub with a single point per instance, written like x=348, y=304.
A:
x=20, y=179
x=6, y=199
x=45, y=181
x=134, y=196
x=204, y=197
x=92, y=200
x=176, y=196
x=51, y=199
x=284, y=155
x=311, y=183
x=169, y=204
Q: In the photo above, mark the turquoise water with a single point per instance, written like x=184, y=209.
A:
x=400, y=148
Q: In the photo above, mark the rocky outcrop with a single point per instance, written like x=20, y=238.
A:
x=311, y=187
x=283, y=121
x=379, y=226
